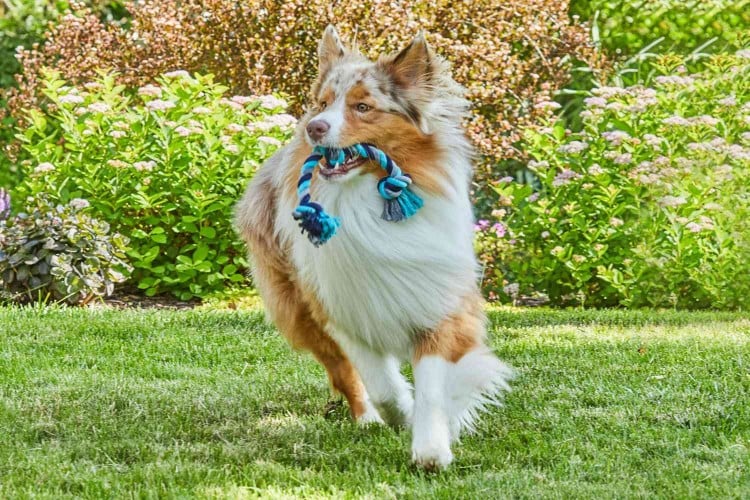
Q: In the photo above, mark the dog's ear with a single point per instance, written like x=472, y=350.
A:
x=412, y=67
x=330, y=50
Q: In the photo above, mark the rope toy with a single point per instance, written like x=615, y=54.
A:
x=400, y=201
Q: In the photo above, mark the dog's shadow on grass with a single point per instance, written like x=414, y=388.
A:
x=330, y=440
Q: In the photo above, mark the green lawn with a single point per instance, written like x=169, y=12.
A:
x=104, y=403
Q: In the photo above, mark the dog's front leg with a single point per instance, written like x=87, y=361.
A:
x=387, y=388
x=431, y=435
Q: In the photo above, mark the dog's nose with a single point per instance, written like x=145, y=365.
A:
x=317, y=129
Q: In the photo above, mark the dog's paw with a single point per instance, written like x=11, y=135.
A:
x=370, y=416
x=432, y=458
x=397, y=414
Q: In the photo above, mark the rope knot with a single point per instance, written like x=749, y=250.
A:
x=400, y=201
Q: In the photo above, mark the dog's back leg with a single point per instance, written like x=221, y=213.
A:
x=300, y=321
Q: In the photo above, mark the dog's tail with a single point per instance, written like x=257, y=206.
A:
x=475, y=383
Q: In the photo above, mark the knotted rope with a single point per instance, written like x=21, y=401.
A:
x=400, y=201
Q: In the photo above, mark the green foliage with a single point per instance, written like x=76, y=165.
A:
x=624, y=27
x=164, y=167
x=22, y=23
x=59, y=252
x=649, y=205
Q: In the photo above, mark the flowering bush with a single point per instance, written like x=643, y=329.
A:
x=649, y=205
x=509, y=56
x=164, y=167
x=58, y=252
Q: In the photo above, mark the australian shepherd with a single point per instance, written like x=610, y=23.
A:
x=381, y=293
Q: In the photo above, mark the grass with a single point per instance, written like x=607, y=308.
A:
x=105, y=403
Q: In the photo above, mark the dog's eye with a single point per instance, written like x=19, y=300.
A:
x=323, y=105
x=363, y=108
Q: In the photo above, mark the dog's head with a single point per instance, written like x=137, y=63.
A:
x=385, y=102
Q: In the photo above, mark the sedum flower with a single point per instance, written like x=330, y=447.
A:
x=705, y=120
x=672, y=201
x=616, y=137
x=595, y=169
x=150, y=90
x=729, y=100
x=242, y=99
x=675, y=80
x=676, y=121
x=234, y=105
x=595, y=102
x=565, y=177
x=269, y=140
x=481, y=225
x=573, y=147
x=44, y=167
x=653, y=140
x=271, y=102
x=99, y=107
x=79, y=203
x=183, y=131
x=144, y=165
x=535, y=165
x=608, y=92
x=547, y=105
x=117, y=163
x=235, y=128
x=623, y=159
x=71, y=99
x=180, y=73
x=160, y=105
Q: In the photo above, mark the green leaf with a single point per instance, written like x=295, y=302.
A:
x=208, y=232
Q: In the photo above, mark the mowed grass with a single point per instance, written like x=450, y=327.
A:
x=609, y=404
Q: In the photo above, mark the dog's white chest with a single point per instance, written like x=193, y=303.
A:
x=383, y=282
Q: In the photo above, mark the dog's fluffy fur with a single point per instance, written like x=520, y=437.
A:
x=380, y=293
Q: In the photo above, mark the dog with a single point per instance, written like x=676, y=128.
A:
x=381, y=293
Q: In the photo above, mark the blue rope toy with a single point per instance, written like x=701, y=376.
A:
x=400, y=201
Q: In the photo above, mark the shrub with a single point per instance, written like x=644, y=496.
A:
x=627, y=26
x=164, y=167
x=508, y=56
x=23, y=24
x=649, y=205
x=59, y=252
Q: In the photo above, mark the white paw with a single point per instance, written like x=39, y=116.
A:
x=370, y=416
x=432, y=458
x=397, y=413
